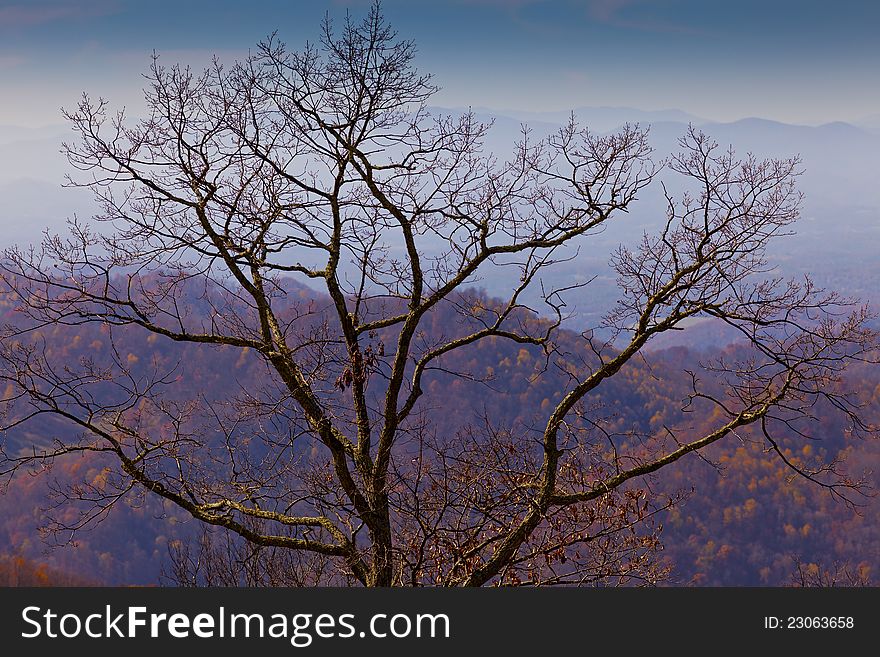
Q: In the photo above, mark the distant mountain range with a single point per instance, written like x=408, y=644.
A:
x=837, y=237
x=600, y=119
x=837, y=241
x=869, y=123
x=841, y=161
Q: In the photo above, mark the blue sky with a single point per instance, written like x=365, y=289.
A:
x=805, y=61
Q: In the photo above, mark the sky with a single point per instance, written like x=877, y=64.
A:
x=798, y=61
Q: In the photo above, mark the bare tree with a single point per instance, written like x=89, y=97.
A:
x=325, y=165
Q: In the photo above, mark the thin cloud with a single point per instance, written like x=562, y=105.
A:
x=627, y=14
x=18, y=16
x=607, y=10
x=505, y=4
x=614, y=12
x=26, y=15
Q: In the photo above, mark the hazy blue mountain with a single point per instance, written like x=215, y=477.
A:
x=600, y=119
x=32, y=170
x=33, y=157
x=837, y=241
x=870, y=123
x=17, y=133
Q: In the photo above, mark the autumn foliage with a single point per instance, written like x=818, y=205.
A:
x=739, y=517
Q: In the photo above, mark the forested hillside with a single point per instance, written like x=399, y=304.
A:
x=744, y=517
